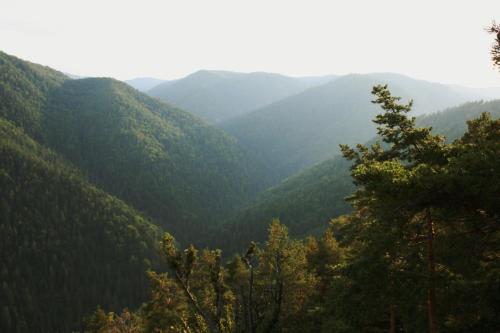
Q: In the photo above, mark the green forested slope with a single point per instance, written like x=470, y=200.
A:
x=162, y=160
x=24, y=87
x=308, y=200
x=165, y=162
x=305, y=203
x=65, y=245
x=451, y=122
x=307, y=128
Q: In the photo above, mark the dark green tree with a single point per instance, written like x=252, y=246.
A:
x=416, y=196
x=495, y=49
x=397, y=178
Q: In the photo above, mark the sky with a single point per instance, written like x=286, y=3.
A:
x=439, y=40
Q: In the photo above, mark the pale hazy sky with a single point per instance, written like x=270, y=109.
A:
x=438, y=40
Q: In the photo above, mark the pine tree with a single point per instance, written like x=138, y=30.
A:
x=495, y=49
x=397, y=179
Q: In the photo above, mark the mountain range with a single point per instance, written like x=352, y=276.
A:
x=219, y=95
x=304, y=129
x=93, y=170
x=90, y=168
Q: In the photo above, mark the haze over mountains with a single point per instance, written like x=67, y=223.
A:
x=306, y=128
x=249, y=166
x=93, y=170
x=308, y=200
x=288, y=124
x=219, y=95
x=144, y=83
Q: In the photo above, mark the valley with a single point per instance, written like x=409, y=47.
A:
x=226, y=201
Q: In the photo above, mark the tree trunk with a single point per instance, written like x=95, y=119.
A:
x=431, y=292
x=250, y=302
x=392, y=318
x=278, y=297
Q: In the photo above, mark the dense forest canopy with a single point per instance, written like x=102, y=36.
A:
x=167, y=163
x=419, y=252
x=64, y=242
x=62, y=138
x=399, y=233
x=23, y=91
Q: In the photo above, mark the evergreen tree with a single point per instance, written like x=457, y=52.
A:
x=413, y=193
x=495, y=49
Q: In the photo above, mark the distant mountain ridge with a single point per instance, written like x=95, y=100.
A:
x=144, y=83
x=220, y=95
x=306, y=128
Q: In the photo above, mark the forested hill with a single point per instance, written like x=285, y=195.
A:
x=304, y=203
x=220, y=95
x=164, y=161
x=308, y=200
x=451, y=122
x=307, y=128
x=167, y=163
x=66, y=246
x=24, y=88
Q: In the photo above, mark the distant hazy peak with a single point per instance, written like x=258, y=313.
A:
x=217, y=95
x=144, y=83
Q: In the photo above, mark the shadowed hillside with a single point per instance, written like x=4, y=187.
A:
x=165, y=162
x=66, y=245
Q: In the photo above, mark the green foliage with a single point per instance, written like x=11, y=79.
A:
x=167, y=308
x=270, y=289
x=304, y=203
x=64, y=243
x=23, y=92
x=495, y=49
x=101, y=322
x=183, y=173
x=420, y=248
x=415, y=201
